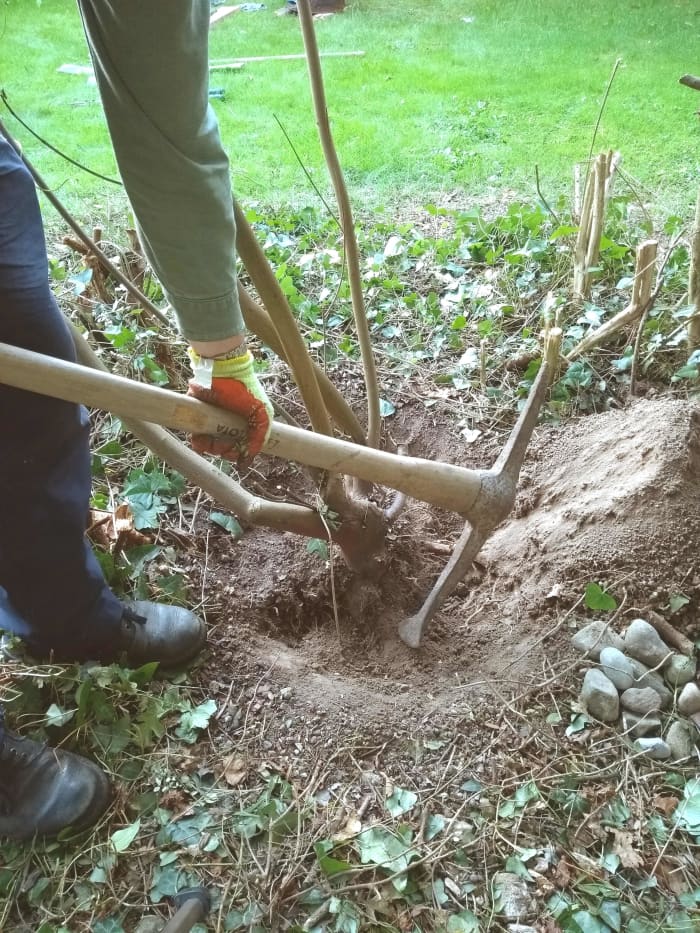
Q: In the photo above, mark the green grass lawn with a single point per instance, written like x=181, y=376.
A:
x=436, y=104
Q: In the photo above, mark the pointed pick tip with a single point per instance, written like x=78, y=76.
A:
x=411, y=631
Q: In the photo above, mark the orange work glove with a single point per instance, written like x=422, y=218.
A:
x=231, y=383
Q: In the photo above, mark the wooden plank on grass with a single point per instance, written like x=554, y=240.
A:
x=221, y=12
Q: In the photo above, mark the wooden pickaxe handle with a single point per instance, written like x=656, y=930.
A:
x=442, y=484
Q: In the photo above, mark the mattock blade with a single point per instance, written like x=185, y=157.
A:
x=494, y=502
x=411, y=629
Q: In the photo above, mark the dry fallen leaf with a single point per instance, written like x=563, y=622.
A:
x=622, y=847
x=127, y=535
x=666, y=804
x=101, y=528
x=349, y=831
x=562, y=874
x=671, y=877
x=234, y=771
x=115, y=531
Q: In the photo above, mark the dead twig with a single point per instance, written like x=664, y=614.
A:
x=671, y=635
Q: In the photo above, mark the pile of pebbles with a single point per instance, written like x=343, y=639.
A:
x=644, y=685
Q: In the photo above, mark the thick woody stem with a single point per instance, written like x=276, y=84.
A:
x=259, y=322
x=694, y=281
x=352, y=252
x=639, y=301
x=282, y=319
x=598, y=190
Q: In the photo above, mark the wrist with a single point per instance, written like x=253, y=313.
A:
x=226, y=348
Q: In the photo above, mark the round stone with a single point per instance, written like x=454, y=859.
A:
x=644, y=643
x=653, y=748
x=592, y=638
x=689, y=700
x=646, y=678
x=599, y=696
x=617, y=667
x=641, y=700
x=680, y=669
x=679, y=740
x=637, y=726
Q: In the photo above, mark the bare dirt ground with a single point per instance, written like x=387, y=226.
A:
x=612, y=498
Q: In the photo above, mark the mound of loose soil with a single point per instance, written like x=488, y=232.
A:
x=613, y=498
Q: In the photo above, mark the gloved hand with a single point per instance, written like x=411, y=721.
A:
x=231, y=383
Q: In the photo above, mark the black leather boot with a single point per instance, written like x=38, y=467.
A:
x=45, y=790
x=155, y=632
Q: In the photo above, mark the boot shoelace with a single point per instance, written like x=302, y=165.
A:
x=13, y=748
x=133, y=618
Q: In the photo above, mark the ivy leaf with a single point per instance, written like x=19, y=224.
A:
x=329, y=865
x=609, y=911
x=228, y=522
x=516, y=866
x=55, y=716
x=122, y=838
x=472, y=786
x=688, y=814
x=582, y=921
x=435, y=825
x=463, y=922
x=677, y=602
x=577, y=724
x=400, y=801
x=107, y=925
x=526, y=793
x=193, y=720
x=317, y=546
x=346, y=914
x=598, y=599
x=390, y=851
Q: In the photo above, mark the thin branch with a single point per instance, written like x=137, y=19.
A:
x=48, y=145
x=346, y=219
x=542, y=198
x=694, y=280
x=305, y=170
x=601, y=110
x=638, y=343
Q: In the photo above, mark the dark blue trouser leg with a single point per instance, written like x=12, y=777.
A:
x=52, y=592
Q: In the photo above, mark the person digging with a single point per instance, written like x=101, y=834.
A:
x=151, y=66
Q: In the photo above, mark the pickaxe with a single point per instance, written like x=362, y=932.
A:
x=483, y=497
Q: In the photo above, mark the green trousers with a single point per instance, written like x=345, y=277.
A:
x=151, y=65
